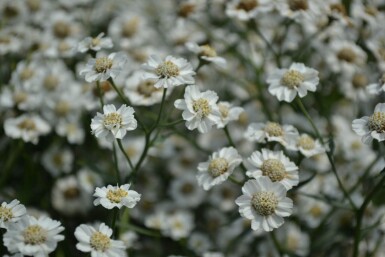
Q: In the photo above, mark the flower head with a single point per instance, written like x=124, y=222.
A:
x=372, y=126
x=115, y=196
x=11, y=212
x=113, y=123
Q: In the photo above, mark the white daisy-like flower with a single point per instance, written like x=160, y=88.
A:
x=371, y=127
x=199, y=109
x=33, y=237
x=248, y=9
x=264, y=203
x=218, y=168
x=206, y=53
x=169, y=72
x=113, y=123
x=98, y=241
x=228, y=113
x=11, y=212
x=95, y=44
x=285, y=84
x=27, y=127
x=307, y=145
x=377, y=88
x=271, y=132
x=274, y=165
x=116, y=196
x=104, y=67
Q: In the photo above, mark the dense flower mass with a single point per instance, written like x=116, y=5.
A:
x=203, y=128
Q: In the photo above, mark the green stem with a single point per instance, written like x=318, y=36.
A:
x=361, y=212
x=231, y=142
x=115, y=215
x=276, y=243
x=100, y=94
x=117, y=173
x=125, y=154
x=171, y=123
x=330, y=157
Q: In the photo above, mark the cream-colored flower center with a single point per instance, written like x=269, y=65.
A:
x=208, y=51
x=62, y=108
x=19, y=97
x=71, y=193
x=218, y=166
x=356, y=145
x=63, y=46
x=100, y=242
x=61, y=29
x=146, y=88
x=58, y=160
x=113, y=119
x=27, y=124
x=377, y=122
x=274, y=129
x=5, y=40
x=26, y=74
x=187, y=188
x=359, y=81
x=338, y=7
x=347, y=54
x=34, y=5
x=306, y=142
x=224, y=110
x=316, y=211
x=264, y=203
x=247, y=5
x=116, y=195
x=167, y=69
x=297, y=5
x=292, y=242
x=292, y=79
x=95, y=41
x=10, y=11
x=371, y=10
x=202, y=107
x=130, y=27
x=5, y=213
x=50, y=82
x=35, y=235
x=274, y=169
x=185, y=9
x=102, y=64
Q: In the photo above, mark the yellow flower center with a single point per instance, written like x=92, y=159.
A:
x=35, y=235
x=273, y=129
x=247, y=5
x=5, y=213
x=377, y=122
x=27, y=124
x=292, y=79
x=202, y=107
x=185, y=9
x=338, y=7
x=274, y=169
x=95, y=41
x=34, y=5
x=19, y=97
x=116, y=195
x=218, y=166
x=371, y=10
x=315, y=211
x=102, y=64
x=224, y=110
x=306, y=142
x=62, y=108
x=187, y=188
x=100, y=242
x=347, y=54
x=61, y=29
x=130, y=27
x=359, y=81
x=113, y=119
x=208, y=51
x=71, y=193
x=297, y=5
x=264, y=203
x=26, y=74
x=50, y=82
x=63, y=47
x=146, y=88
x=167, y=69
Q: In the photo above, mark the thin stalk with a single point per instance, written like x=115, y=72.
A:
x=231, y=142
x=361, y=212
x=100, y=94
x=125, y=154
x=278, y=247
x=115, y=214
x=117, y=173
x=330, y=157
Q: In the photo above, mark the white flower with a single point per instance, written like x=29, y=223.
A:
x=113, y=123
x=218, y=168
x=248, y=9
x=179, y=225
x=264, y=203
x=33, y=237
x=27, y=127
x=199, y=109
x=169, y=72
x=95, y=44
x=206, y=53
x=228, y=113
x=373, y=126
x=377, y=88
x=104, y=67
x=11, y=212
x=98, y=241
x=115, y=196
x=271, y=132
x=307, y=145
x=274, y=165
x=286, y=83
